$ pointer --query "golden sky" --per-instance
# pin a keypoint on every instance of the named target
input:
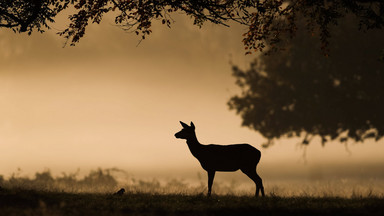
(109, 102)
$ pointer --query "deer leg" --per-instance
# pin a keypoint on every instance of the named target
(252, 174)
(211, 176)
(259, 185)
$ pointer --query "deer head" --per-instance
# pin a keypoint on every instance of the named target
(187, 132)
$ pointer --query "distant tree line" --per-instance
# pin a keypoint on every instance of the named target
(105, 181)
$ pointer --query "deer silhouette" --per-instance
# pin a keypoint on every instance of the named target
(225, 158)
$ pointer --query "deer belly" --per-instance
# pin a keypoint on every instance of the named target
(220, 166)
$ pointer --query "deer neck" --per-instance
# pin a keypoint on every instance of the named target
(194, 146)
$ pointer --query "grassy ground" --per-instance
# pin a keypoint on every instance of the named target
(32, 202)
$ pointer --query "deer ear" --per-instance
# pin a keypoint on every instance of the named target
(192, 125)
(184, 125)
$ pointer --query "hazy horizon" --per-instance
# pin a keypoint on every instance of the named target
(108, 102)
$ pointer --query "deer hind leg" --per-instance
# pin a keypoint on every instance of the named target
(252, 174)
(211, 176)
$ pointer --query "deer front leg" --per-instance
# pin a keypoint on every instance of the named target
(211, 176)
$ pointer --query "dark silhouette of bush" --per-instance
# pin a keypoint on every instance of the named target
(96, 181)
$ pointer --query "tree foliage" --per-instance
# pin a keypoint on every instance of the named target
(298, 91)
(268, 22)
(29, 15)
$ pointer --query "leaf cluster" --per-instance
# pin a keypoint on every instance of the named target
(29, 15)
(138, 15)
(277, 22)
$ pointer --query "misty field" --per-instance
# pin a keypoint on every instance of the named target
(93, 194)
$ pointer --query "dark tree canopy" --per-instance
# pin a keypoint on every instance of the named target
(29, 15)
(298, 91)
(269, 22)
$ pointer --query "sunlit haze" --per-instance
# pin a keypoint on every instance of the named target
(111, 101)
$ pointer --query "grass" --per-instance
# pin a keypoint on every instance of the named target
(91, 195)
(35, 202)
